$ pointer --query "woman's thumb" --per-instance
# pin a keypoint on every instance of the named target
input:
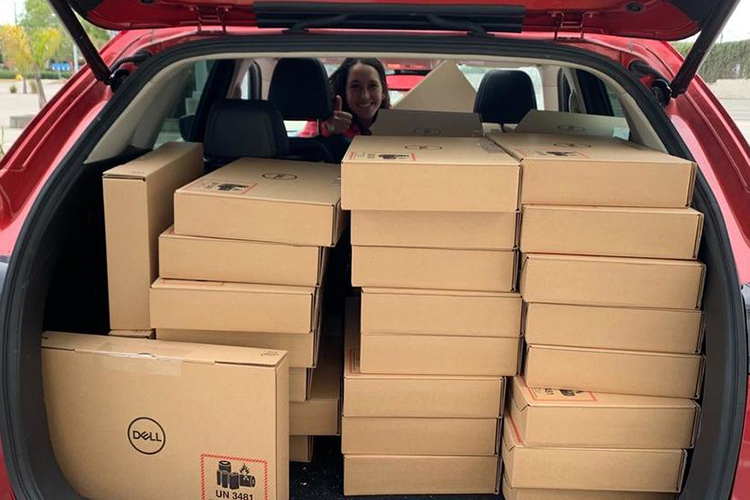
(338, 104)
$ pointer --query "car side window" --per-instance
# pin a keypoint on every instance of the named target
(179, 118)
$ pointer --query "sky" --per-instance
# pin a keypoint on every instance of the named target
(738, 27)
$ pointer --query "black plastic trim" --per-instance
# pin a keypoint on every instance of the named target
(32, 469)
(299, 15)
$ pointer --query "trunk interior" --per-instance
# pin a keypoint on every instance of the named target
(60, 284)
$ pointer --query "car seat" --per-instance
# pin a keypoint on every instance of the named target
(505, 96)
(300, 90)
(241, 128)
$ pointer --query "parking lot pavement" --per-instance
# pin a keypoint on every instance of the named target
(19, 104)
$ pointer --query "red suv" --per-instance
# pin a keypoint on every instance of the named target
(154, 83)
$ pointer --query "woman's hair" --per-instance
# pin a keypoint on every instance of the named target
(338, 80)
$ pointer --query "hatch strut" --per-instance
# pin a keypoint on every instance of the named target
(98, 67)
(708, 35)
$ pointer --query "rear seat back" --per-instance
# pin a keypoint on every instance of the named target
(505, 96)
(239, 128)
(300, 90)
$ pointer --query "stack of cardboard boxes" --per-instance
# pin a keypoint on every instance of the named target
(243, 265)
(612, 322)
(434, 224)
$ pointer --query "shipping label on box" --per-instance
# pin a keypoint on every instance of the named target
(147, 422)
(239, 307)
(388, 395)
(666, 233)
(637, 329)
(264, 200)
(620, 372)
(138, 206)
(582, 419)
(569, 279)
(449, 174)
(600, 469)
(419, 475)
(597, 171)
(456, 230)
(482, 270)
(216, 259)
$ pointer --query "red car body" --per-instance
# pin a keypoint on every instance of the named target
(707, 129)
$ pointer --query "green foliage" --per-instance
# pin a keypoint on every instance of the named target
(728, 60)
(7, 74)
(13, 89)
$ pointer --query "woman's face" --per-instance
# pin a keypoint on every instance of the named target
(364, 93)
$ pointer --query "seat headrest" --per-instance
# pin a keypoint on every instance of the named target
(300, 89)
(505, 96)
(238, 128)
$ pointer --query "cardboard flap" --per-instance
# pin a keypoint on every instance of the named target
(156, 349)
(144, 166)
(618, 260)
(272, 180)
(163, 283)
(511, 436)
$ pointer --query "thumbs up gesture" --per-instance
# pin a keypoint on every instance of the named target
(340, 120)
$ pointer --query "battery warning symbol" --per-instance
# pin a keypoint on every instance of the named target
(234, 480)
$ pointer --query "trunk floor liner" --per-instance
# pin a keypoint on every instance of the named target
(323, 478)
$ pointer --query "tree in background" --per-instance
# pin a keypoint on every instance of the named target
(38, 14)
(30, 52)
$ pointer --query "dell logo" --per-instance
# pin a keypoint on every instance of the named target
(146, 435)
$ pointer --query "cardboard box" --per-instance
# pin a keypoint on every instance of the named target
(300, 449)
(262, 199)
(565, 170)
(430, 94)
(598, 469)
(555, 122)
(619, 372)
(215, 259)
(657, 330)
(459, 230)
(153, 419)
(409, 123)
(299, 383)
(439, 355)
(667, 233)
(482, 270)
(133, 334)
(301, 349)
(570, 279)
(368, 395)
(546, 494)
(319, 414)
(405, 475)
(582, 419)
(137, 208)
(448, 174)
(237, 307)
(419, 436)
(436, 312)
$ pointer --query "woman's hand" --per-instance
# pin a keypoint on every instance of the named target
(340, 121)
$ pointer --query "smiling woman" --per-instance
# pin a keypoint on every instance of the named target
(360, 89)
